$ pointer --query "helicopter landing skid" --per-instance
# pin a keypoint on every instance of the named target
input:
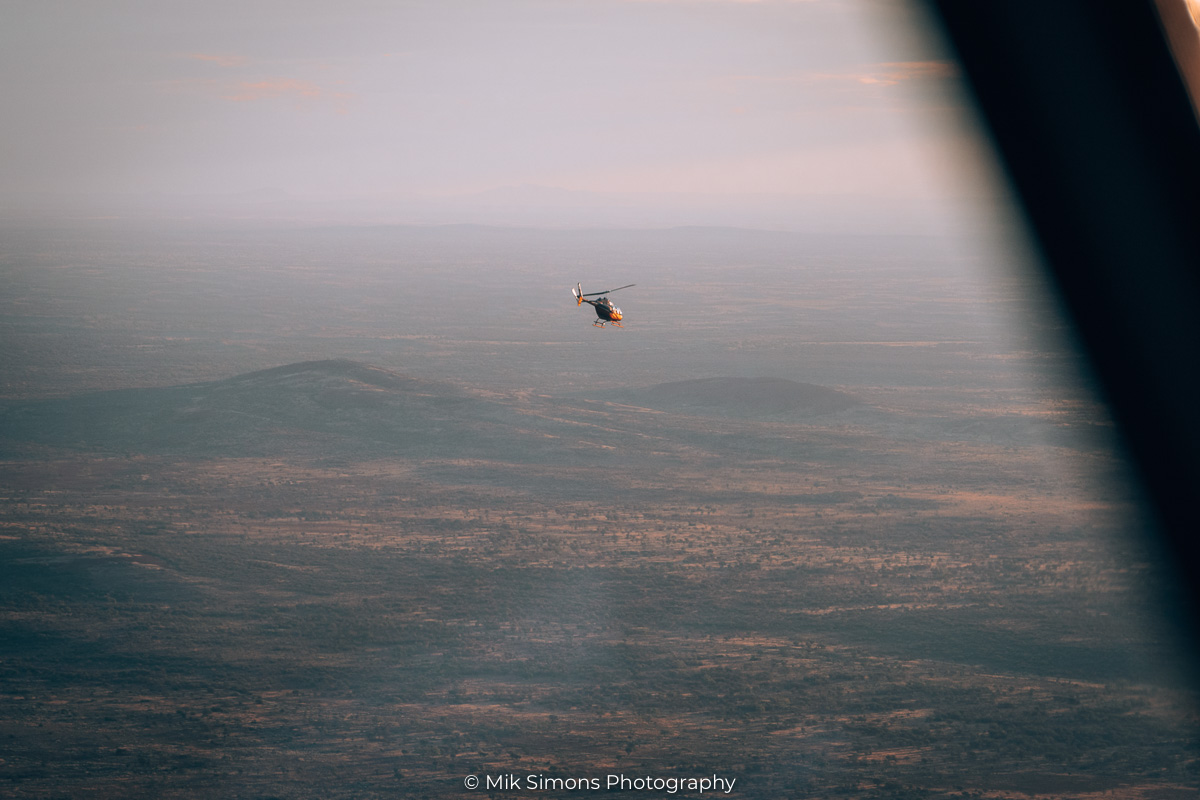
(600, 324)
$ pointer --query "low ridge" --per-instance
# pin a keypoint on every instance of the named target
(334, 369)
(310, 404)
(743, 396)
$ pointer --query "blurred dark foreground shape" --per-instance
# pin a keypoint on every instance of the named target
(1093, 122)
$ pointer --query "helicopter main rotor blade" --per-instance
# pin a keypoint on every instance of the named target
(609, 291)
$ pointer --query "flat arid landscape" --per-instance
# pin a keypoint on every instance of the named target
(364, 512)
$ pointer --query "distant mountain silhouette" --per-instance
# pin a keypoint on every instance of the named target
(315, 404)
(335, 372)
(345, 408)
(751, 397)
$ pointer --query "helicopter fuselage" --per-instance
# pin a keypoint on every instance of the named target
(606, 312)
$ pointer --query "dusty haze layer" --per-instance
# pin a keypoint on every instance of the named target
(352, 512)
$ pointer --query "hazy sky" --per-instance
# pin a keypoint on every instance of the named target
(365, 102)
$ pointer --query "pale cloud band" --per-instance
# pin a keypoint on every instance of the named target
(891, 73)
(220, 59)
(442, 97)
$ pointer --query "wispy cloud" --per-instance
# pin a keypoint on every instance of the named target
(220, 59)
(889, 73)
(730, 2)
(249, 91)
(892, 73)
(302, 93)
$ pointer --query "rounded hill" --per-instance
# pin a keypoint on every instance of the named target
(742, 397)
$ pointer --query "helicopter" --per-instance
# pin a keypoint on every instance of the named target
(605, 311)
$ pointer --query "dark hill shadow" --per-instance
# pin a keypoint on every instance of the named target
(740, 397)
(315, 406)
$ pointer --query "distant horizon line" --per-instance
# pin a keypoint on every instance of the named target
(49, 220)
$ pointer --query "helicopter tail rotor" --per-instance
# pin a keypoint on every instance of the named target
(578, 292)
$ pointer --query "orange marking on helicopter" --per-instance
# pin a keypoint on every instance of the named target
(605, 310)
